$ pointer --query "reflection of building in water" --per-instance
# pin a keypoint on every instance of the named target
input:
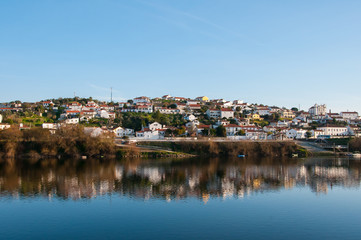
(152, 173)
(319, 187)
(228, 188)
(167, 181)
(118, 172)
(289, 183)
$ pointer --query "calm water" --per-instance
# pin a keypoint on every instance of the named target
(194, 199)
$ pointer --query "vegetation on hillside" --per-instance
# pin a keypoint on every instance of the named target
(68, 141)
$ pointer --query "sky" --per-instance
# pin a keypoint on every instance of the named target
(284, 53)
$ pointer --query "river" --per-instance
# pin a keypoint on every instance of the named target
(314, 198)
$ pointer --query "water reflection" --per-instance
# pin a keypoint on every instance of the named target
(170, 180)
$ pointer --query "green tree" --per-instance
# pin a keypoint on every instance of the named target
(221, 131)
(157, 116)
(241, 133)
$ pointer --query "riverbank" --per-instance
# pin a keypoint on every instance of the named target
(231, 148)
(74, 142)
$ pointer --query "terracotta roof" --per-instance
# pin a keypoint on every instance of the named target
(232, 125)
(203, 126)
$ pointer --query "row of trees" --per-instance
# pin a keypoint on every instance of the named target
(67, 141)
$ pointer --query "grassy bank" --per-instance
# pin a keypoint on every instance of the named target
(137, 153)
(231, 149)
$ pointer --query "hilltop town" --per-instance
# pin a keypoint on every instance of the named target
(166, 117)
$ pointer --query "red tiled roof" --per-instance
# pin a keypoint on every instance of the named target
(203, 126)
(232, 125)
(226, 110)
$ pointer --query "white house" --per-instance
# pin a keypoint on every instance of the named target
(238, 102)
(1, 118)
(72, 112)
(227, 113)
(296, 133)
(72, 121)
(256, 135)
(74, 106)
(202, 127)
(223, 113)
(167, 97)
(283, 123)
(232, 129)
(148, 134)
(189, 124)
(334, 130)
(262, 111)
(213, 113)
(286, 113)
(122, 132)
(91, 105)
(47, 104)
(165, 110)
(105, 114)
(349, 115)
(194, 106)
(334, 116)
(227, 104)
(144, 108)
(49, 125)
(4, 126)
(142, 99)
(155, 126)
(190, 117)
(107, 107)
(316, 133)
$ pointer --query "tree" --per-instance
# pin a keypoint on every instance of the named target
(168, 133)
(205, 132)
(276, 116)
(233, 121)
(308, 134)
(181, 131)
(294, 109)
(241, 133)
(157, 116)
(204, 109)
(221, 131)
(173, 106)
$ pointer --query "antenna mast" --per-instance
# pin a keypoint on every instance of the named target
(111, 94)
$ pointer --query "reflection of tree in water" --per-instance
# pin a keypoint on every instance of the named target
(166, 179)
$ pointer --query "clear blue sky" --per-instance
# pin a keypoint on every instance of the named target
(284, 53)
